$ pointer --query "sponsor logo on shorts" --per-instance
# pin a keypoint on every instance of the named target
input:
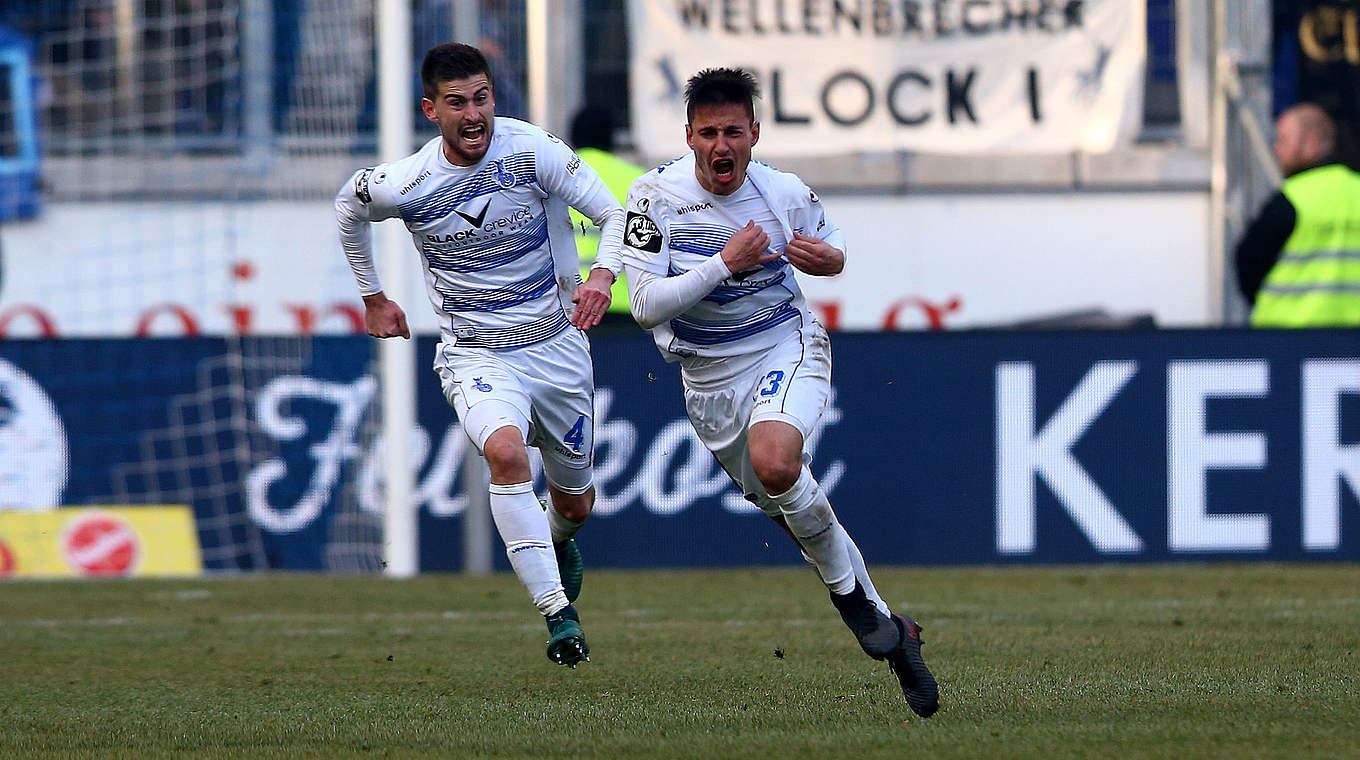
(477, 384)
(641, 232)
(566, 452)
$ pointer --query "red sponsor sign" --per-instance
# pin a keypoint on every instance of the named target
(101, 544)
(6, 559)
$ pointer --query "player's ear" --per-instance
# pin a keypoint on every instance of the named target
(427, 106)
(755, 132)
(689, 136)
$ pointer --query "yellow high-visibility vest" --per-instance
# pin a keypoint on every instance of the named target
(618, 176)
(1316, 281)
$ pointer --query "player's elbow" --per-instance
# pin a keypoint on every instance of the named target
(645, 321)
(641, 314)
(614, 214)
(344, 211)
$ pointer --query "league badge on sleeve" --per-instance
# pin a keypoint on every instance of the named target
(361, 185)
(641, 232)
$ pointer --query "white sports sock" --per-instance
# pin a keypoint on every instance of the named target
(562, 528)
(809, 517)
(862, 572)
(528, 544)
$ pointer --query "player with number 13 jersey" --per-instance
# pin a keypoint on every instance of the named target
(711, 244)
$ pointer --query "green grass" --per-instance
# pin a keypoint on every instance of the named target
(1240, 661)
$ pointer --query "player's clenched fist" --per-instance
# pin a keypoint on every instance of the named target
(814, 255)
(747, 248)
(384, 318)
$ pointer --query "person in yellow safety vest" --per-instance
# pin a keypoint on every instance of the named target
(1299, 261)
(592, 135)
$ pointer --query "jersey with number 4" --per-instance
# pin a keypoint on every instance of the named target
(673, 225)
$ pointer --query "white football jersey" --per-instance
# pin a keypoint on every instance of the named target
(495, 238)
(673, 225)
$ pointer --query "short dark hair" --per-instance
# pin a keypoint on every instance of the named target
(721, 86)
(450, 61)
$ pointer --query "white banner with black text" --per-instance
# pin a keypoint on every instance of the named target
(944, 76)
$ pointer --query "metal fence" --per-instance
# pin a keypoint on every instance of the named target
(285, 89)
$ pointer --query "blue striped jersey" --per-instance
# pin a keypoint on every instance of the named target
(494, 239)
(674, 225)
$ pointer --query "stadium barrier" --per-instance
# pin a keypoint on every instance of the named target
(938, 448)
(100, 542)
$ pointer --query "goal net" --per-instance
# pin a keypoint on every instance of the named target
(169, 255)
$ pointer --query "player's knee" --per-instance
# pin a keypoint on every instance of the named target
(777, 471)
(574, 507)
(506, 456)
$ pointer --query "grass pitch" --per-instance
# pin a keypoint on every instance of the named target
(1241, 661)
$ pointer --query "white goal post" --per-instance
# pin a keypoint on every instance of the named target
(400, 538)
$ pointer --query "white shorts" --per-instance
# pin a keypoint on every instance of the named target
(546, 390)
(790, 382)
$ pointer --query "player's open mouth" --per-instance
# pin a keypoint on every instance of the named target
(724, 168)
(473, 134)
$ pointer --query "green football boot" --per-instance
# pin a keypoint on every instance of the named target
(569, 564)
(570, 567)
(566, 641)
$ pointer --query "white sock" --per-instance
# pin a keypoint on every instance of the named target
(862, 572)
(528, 544)
(562, 528)
(809, 517)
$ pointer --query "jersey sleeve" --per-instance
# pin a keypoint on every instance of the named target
(562, 173)
(820, 225)
(357, 205)
(653, 296)
(645, 243)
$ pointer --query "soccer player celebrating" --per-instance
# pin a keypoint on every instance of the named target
(486, 204)
(711, 243)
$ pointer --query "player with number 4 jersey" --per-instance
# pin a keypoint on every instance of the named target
(486, 205)
(712, 241)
